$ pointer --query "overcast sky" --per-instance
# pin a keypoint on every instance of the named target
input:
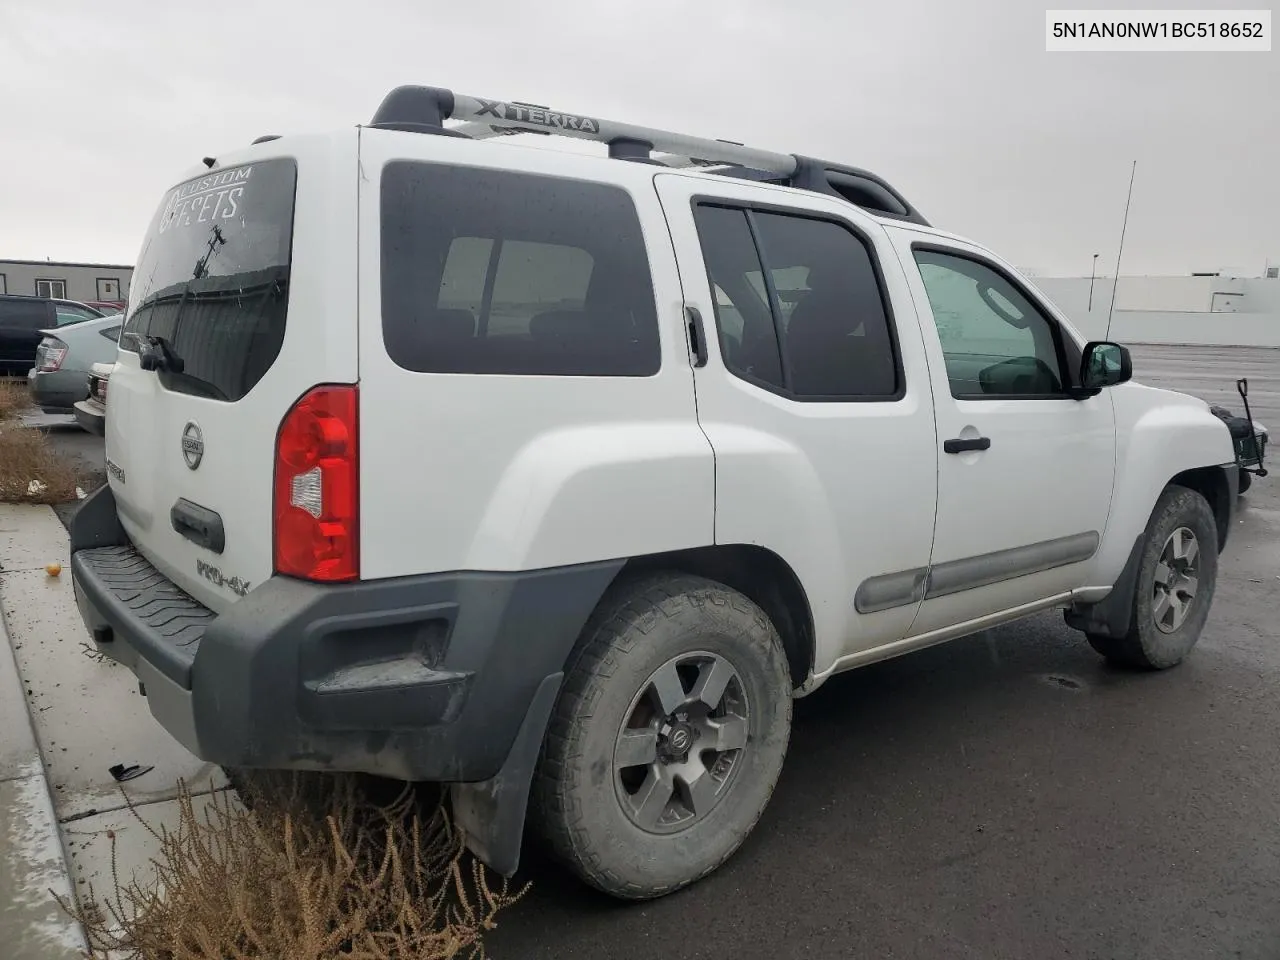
(104, 105)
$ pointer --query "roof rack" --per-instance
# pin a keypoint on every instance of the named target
(420, 109)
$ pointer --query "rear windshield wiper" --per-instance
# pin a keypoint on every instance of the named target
(157, 353)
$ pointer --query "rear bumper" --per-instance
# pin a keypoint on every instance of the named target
(418, 678)
(58, 391)
(92, 416)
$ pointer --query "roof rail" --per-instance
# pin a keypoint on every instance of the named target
(421, 109)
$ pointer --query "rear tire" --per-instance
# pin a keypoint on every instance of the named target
(1246, 480)
(1177, 575)
(643, 787)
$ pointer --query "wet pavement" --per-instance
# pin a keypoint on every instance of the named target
(1004, 796)
(1008, 795)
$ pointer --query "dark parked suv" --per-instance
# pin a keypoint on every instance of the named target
(22, 319)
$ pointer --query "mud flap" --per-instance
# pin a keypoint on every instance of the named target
(1111, 616)
(491, 813)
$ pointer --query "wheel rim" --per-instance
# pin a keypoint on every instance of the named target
(1176, 580)
(682, 741)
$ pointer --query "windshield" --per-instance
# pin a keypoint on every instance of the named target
(212, 282)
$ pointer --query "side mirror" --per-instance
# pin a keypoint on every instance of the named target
(1105, 364)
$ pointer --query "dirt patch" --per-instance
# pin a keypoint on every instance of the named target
(321, 868)
(31, 471)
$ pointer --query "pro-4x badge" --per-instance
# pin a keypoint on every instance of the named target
(192, 444)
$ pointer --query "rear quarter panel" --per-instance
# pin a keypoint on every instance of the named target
(498, 472)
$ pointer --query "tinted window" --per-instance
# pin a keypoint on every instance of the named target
(817, 290)
(994, 340)
(836, 330)
(67, 314)
(213, 277)
(24, 313)
(503, 273)
(748, 338)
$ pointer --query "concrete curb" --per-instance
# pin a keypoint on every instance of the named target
(33, 860)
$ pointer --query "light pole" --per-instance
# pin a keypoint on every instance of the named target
(1093, 272)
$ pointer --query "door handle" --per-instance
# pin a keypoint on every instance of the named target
(972, 443)
(198, 524)
(697, 336)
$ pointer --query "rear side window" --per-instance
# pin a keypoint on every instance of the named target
(799, 305)
(493, 272)
(748, 336)
(25, 314)
(212, 282)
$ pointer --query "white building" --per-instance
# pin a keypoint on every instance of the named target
(1205, 308)
(66, 281)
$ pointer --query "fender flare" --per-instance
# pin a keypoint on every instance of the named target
(1112, 616)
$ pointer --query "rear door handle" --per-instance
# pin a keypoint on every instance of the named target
(972, 443)
(697, 336)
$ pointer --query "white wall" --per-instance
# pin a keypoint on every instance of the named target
(1247, 310)
(1204, 329)
(1262, 295)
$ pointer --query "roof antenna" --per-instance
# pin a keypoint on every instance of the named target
(1124, 226)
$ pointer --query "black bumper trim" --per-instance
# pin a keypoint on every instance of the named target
(420, 678)
(119, 591)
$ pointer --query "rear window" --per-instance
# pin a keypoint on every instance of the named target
(212, 281)
(493, 272)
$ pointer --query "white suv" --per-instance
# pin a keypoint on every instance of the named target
(556, 477)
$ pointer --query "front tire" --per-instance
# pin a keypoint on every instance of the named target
(667, 738)
(1246, 480)
(1177, 575)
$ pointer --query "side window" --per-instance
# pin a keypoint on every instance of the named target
(111, 333)
(996, 343)
(748, 337)
(807, 285)
(26, 313)
(837, 341)
(493, 272)
(68, 315)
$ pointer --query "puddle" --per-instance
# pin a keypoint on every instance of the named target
(1062, 681)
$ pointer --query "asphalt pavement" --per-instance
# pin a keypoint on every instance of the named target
(1004, 796)
(1008, 795)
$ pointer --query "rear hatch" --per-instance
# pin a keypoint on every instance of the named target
(242, 300)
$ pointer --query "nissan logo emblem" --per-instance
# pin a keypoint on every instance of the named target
(192, 444)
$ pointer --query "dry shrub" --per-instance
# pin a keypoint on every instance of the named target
(25, 455)
(366, 881)
(14, 398)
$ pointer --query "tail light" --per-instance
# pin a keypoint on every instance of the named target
(50, 354)
(316, 502)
